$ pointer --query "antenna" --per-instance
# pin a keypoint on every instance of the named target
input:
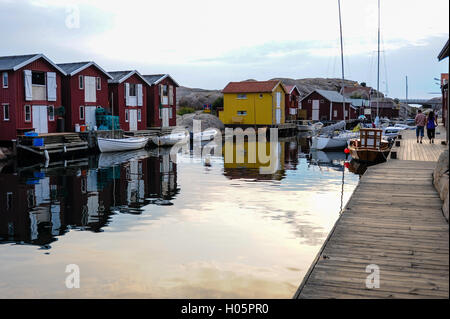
(378, 63)
(342, 60)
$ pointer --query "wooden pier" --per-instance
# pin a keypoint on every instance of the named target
(393, 220)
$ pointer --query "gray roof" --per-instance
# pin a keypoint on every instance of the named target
(332, 96)
(15, 62)
(156, 78)
(120, 76)
(359, 102)
(75, 67)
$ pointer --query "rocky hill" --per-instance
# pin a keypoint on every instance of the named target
(195, 97)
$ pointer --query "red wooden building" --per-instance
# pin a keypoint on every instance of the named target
(30, 94)
(292, 100)
(322, 105)
(386, 108)
(85, 87)
(162, 100)
(128, 98)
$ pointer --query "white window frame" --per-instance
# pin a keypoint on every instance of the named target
(51, 113)
(242, 113)
(6, 105)
(27, 106)
(81, 112)
(5, 85)
(241, 96)
(335, 113)
(81, 82)
(127, 116)
(98, 83)
(139, 115)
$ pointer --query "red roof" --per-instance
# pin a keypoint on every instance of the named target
(290, 88)
(250, 86)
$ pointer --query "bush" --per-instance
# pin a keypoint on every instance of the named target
(185, 110)
(218, 103)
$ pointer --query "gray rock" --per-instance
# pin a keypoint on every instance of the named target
(207, 121)
(440, 181)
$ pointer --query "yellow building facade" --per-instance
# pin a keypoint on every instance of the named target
(253, 103)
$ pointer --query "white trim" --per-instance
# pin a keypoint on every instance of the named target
(128, 75)
(139, 115)
(99, 83)
(3, 80)
(127, 116)
(81, 82)
(34, 58)
(52, 117)
(81, 112)
(163, 77)
(85, 66)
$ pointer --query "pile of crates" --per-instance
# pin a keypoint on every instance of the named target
(105, 120)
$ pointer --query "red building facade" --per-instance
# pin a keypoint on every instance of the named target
(321, 105)
(292, 99)
(85, 88)
(162, 100)
(30, 95)
(128, 99)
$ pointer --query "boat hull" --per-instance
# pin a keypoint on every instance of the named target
(323, 143)
(122, 144)
(368, 155)
(169, 140)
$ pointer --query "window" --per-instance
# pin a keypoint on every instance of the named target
(132, 89)
(261, 95)
(165, 90)
(335, 113)
(126, 115)
(27, 113)
(51, 113)
(80, 82)
(321, 101)
(81, 112)
(139, 115)
(309, 101)
(38, 78)
(160, 114)
(242, 96)
(5, 80)
(5, 112)
(9, 201)
(98, 83)
(241, 112)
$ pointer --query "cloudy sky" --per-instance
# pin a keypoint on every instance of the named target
(207, 43)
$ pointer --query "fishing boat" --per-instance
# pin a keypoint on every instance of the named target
(369, 147)
(170, 139)
(121, 144)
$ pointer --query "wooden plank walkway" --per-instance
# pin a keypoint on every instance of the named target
(411, 150)
(393, 220)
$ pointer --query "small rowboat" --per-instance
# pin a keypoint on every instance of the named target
(121, 144)
(171, 139)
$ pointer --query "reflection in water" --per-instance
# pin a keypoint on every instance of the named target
(139, 225)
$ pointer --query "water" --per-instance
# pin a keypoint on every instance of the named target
(141, 226)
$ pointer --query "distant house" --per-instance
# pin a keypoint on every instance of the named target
(323, 105)
(85, 87)
(30, 95)
(161, 100)
(292, 99)
(253, 103)
(358, 91)
(128, 98)
(386, 108)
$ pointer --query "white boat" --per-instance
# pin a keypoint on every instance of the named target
(392, 131)
(121, 144)
(206, 135)
(340, 141)
(110, 159)
(170, 139)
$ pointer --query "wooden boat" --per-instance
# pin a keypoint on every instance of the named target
(121, 144)
(327, 142)
(171, 139)
(370, 147)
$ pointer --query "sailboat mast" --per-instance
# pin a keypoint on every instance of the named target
(112, 114)
(342, 60)
(378, 62)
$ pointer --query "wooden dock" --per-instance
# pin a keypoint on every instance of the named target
(393, 220)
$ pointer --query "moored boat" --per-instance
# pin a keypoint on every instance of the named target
(170, 139)
(324, 142)
(370, 147)
(121, 144)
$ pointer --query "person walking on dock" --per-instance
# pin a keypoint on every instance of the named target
(431, 126)
(420, 120)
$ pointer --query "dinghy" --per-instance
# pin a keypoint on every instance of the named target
(121, 144)
(171, 139)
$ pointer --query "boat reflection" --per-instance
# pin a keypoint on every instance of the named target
(39, 204)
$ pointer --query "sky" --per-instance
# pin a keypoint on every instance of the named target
(207, 43)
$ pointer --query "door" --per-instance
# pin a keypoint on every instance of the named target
(40, 118)
(278, 116)
(89, 116)
(165, 117)
(315, 110)
(133, 120)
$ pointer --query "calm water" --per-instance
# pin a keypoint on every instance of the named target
(141, 226)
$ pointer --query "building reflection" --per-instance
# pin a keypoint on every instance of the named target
(39, 204)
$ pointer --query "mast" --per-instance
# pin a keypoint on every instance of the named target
(342, 60)
(378, 61)
(112, 114)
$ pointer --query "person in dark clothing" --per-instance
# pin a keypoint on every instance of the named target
(431, 126)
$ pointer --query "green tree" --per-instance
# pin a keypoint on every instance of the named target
(218, 103)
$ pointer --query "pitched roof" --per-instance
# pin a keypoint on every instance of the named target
(252, 86)
(332, 96)
(290, 88)
(156, 78)
(15, 62)
(359, 102)
(75, 67)
(120, 76)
